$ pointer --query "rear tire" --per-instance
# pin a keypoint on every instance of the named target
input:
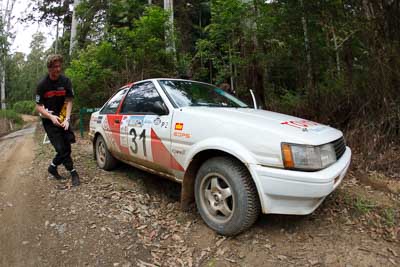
(104, 159)
(226, 196)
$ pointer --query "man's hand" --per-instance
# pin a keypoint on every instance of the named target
(65, 124)
(55, 120)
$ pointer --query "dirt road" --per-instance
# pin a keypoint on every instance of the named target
(130, 218)
(18, 215)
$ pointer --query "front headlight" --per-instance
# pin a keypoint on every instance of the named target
(305, 157)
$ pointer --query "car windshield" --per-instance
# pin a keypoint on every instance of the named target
(189, 93)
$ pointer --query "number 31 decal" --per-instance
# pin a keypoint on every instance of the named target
(134, 146)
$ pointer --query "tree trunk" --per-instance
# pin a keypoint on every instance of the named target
(307, 49)
(311, 89)
(57, 31)
(258, 83)
(8, 15)
(56, 44)
(336, 51)
(348, 60)
(211, 71)
(6, 21)
(231, 69)
(367, 9)
(169, 33)
(257, 71)
(74, 25)
(3, 86)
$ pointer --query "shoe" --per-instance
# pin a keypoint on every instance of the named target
(75, 178)
(53, 171)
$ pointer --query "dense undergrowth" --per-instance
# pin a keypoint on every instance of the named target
(11, 115)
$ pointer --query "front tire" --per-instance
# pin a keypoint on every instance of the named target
(226, 196)
(104, 159)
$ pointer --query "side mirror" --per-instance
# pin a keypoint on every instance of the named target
(159, 108)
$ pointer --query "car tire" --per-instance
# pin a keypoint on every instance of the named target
(104, 159)
(226, 196)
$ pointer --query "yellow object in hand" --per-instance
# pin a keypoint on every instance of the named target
(63, 113)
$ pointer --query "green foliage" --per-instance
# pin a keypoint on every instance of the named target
(90, 75)
(122, 12)
(228, 19)
(291, 100)
(11, 115)
(221, 46)
(16, 84)
(24, 74)
(24, 107)
(149, 41)
(4, 45)
(389, 215)
(183, 65)
(127, 54)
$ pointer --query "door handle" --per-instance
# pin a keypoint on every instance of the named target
(117, 121)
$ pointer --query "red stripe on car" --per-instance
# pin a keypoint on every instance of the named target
(161, 154)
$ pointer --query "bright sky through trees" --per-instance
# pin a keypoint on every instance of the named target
(23, 31)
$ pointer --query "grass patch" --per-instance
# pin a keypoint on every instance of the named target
(11, 115)
(347, 199)
(356, 204)
(212, 262)
(363, 206)
(389, 215)
(25, 107)
(374, 175)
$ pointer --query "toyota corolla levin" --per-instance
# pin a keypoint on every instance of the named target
(233, 160)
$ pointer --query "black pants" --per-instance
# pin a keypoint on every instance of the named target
(61, 141)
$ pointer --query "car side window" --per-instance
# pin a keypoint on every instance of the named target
(143, 98)
(112, 105)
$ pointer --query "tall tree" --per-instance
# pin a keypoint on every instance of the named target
(24, 74)
(5, 28)
(36, 59)
(74, 25)
(255, 78)
(304, 23)
(54, 12)
(16, 86)
(169, 34)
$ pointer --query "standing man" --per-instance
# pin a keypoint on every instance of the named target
(53, 93)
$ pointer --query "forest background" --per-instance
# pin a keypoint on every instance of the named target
(332, 61)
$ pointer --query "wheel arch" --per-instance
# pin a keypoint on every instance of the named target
(187, 191)
(96, 135)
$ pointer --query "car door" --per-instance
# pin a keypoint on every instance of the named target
(111, 121)
(145, 128)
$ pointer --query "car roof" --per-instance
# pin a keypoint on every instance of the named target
(159, 79)
(171, 79)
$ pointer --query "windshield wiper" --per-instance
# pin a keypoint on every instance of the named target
(208, 105)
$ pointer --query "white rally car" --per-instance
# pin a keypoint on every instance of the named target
(235, 161)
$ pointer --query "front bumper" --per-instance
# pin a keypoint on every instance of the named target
(296, 192)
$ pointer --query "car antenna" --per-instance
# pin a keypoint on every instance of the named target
(254, 99)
